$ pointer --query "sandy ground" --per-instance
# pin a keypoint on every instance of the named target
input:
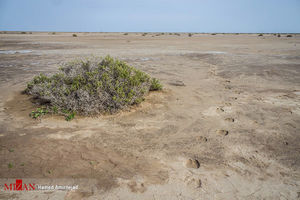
(232, 102)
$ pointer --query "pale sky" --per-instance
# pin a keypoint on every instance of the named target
(151, 15)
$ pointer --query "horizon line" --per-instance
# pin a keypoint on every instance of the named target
(150, 32)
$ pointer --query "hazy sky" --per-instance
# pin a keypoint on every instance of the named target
(151, 15)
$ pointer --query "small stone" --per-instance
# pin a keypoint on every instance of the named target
(192, 163)
(222, 132)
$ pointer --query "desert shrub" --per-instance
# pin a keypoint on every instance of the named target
(144, 34)
(90, 86)
(155, 85)
(190, 35)
(213, 34)
(10, 165)
(38, 112)
(125, 33)
(53, 33)
(23, 32)
(70, 115)
(74, 35)
(289, 36)
(158, 34)
(260, 35)
(177, 34)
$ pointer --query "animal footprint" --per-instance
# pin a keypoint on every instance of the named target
(201, 139)
(222, 132)
(229, 119)
(220, 109)
(228, 104)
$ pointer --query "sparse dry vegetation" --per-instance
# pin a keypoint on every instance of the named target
(74, 35)
(90, 86)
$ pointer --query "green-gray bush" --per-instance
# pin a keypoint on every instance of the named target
(91, 86)
(155, 85)
(38, 113)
